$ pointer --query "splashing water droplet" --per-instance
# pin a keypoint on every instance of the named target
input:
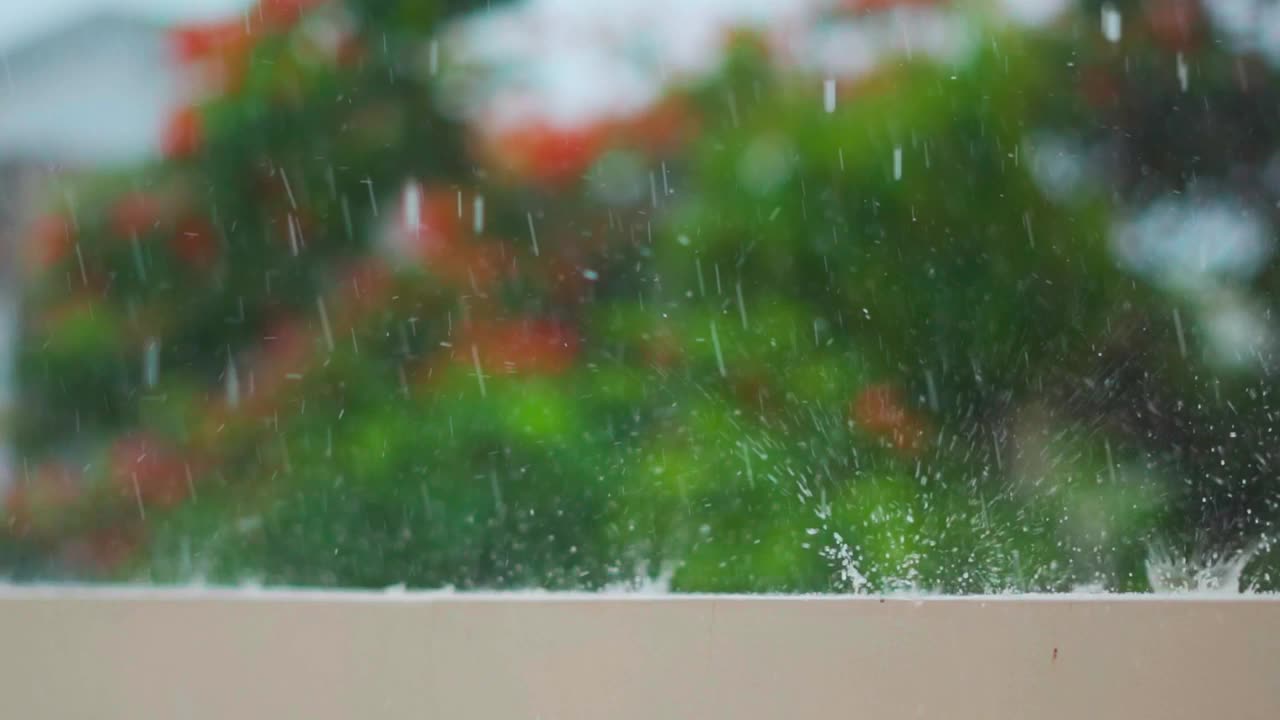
(1202, 571)
(1111, 23)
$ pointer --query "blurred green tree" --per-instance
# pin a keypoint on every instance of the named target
(341, 336)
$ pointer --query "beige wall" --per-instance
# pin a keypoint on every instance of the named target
(125, 654)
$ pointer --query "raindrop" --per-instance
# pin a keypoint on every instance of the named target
(475, 360)
(373, 200)
(715, 343)
(742, 305)
(533, 234)
(1111, 23)
(412, 208)
(324, 324)
(1182, 339)
(137, 496)
(151, 363)
(231, 384)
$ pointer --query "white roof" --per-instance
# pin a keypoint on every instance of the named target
(23, 22)
(60, 64)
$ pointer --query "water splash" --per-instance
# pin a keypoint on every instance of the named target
(643, 583)
(1201, 571)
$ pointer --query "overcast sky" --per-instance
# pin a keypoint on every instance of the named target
(22, 20)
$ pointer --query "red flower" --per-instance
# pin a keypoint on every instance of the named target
(350, 51)
(563, 274)
(363, 287)
(286, 347)
(149, 471)
(34, 506)
(754, 390)
(285, 350)
(541, 153)
(873, 6)
(431, 220)
(135, 214)
(280, 14)
(436, 229)
(548, 155)
(663, 349)
(183, 136)
(1175, 24)
(221, 50)
(50, 240)
(217, 52)
(102, 551)
(192, 43)
(195, 242)
(661, 127)
(532, 347)
(879, 410)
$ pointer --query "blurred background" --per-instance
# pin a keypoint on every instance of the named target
(819, 296)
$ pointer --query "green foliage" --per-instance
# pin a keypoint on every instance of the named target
(858, 350)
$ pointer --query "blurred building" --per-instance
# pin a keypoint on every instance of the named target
(91, 92)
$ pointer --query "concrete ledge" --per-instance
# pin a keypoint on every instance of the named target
(78, 653)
